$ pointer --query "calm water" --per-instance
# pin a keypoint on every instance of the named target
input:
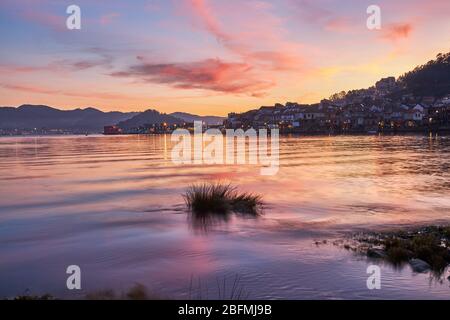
(113, 206)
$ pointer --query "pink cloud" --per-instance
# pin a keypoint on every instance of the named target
(55, 22)
(29, 88)
(396, 31)
(313, 13)
(339, 25)
(209, 74)
(17, 69)
(108, 18)
(309, 11)
(48, 91)
(97, 58)
(256, 38)
(205, 13)
(254, 41)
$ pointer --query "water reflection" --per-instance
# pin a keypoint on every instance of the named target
(114, 205)
(203, 222)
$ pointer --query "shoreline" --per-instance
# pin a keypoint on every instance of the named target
(281, 134)
(425, 248)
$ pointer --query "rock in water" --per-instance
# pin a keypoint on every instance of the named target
(419, 265)
(376, 253)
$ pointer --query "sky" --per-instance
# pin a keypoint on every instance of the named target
(208, 56)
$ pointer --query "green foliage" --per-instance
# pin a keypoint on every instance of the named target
(430, 244)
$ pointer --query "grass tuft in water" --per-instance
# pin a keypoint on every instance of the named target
(217, 198)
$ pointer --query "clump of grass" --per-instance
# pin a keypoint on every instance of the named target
(217, 198)
(106, 294)
(27, 295)
(137, 292)
(398, 255)
(446, 232)
(35, 297)
(225, 289)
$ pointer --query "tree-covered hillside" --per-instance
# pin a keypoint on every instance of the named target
(430, 79)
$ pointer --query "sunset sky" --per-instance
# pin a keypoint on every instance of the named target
(208, 56)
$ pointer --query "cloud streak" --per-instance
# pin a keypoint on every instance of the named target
(259, 27)
(396, 31)
(108, 18)
(50, 91)
(61, 66)
(209, 74)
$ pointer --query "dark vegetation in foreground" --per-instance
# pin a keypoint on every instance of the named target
(137, 292)
(423, 248)
(226, 288)
(33, 297)
(221, 199)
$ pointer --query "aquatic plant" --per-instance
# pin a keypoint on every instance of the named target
(217, 198)
(428, 244)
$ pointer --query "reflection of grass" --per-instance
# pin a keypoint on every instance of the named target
(224, 289)
(216, 198)
(31, 297)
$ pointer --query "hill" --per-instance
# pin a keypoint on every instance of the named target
(40, 116)
(430, 79)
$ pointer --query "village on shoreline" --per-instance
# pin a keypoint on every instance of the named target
(364, 111)
(374, 110)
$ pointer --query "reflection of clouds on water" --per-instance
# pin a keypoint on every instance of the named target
(204, 222)
(377, 208)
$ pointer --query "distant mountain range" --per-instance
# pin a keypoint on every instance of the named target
(38, 116)
(89, 119)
